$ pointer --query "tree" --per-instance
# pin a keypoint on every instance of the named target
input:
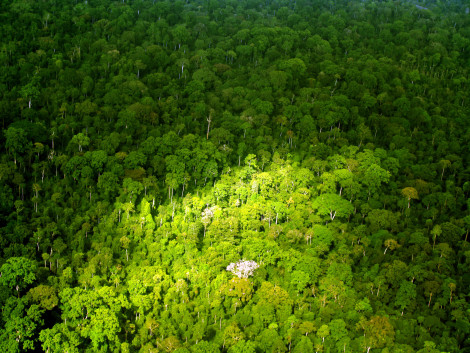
(232, 335)
(204, 347)
(175, 175)
(132, 188)
(21, 324)
(36, 189)
(98, 160)
(429, 347)
(108, 183)
(431, 288)
(383, 219)
(390, 244)
(333, 205)
(45, 296)
(374, 176)
(378, 332)
(338, 332)
(299, 280)
(436, 232)
(16, 142)
(180, 35)
(18, 273)
(444, 163)
(323, 332)
(102, 328)
(30, 91)
(97, 310)
(243, 269)
(206, 217)
(243, 347)
(134, 160)
(80, 140)
(304, 345)
(406, 295)
(125, 241)
(410, 193)
(60, 338)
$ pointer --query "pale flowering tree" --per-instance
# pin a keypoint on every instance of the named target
(243, 268)
(207, 215)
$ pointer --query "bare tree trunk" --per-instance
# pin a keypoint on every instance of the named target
(209, 120)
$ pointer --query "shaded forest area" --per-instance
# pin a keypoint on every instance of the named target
(234, 176)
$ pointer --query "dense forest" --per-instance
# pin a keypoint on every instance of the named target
(242, 176)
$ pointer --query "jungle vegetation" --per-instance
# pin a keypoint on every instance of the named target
(234, 176)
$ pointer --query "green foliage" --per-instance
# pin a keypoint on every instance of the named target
(18, 273)
(16, 141)
(21, 324)
(59, 338)
(148, 145)
(45, 296)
